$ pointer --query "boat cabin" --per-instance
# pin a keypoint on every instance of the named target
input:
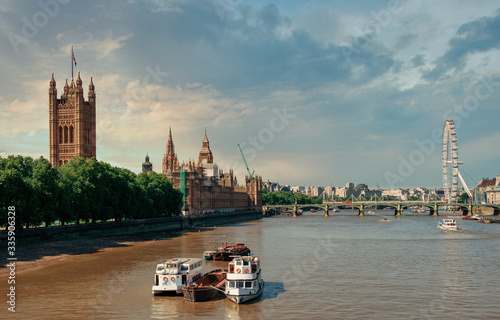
(173, 274)
(244, 265)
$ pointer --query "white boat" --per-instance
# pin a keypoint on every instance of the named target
(336, 210)
(173, 274)
(447, 224)
(371, 212)
(244, 282)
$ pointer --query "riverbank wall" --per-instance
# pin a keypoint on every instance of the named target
(112, 228)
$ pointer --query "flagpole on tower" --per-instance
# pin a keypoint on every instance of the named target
(72, 57)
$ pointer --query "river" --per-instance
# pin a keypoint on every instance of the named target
(342, 267)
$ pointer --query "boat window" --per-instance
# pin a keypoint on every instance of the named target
(171, 265)
(238, 263)
(240, 284)
(230, 284)
(160, 268)
(254, 268)
(231, 268)
(184, 268)
(248, 284)
(245, 263)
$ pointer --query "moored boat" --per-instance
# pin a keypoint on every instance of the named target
(336, 210)
(207, 287)
(226, 253)
(209, 255)
(244, 281)
(173, 274)
(447, 224)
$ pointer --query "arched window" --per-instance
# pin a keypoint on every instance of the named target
(71, 134)
(60, 163)
(65, 161)
(65, 134)
(60, 134)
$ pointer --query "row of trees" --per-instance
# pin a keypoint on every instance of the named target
(288, 197)
(81, 190)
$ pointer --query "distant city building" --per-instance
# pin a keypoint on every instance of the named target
(362, 186)
(72, 122)
(146, 165)
(400, 194)
(297, 189)
(329, 191)
(490, 188)
(314, 191)
(271, 186)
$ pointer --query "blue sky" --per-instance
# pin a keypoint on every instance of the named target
(315, 92)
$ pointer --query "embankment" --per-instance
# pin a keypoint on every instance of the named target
(111, 228)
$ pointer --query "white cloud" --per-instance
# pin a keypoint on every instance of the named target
(100, 47)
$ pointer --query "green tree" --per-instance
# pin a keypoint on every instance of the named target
(464, 197)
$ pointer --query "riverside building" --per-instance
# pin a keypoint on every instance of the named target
(206, 187)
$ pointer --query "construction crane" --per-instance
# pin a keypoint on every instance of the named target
(246, 165)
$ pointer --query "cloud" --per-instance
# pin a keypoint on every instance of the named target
(477, 36)
(100, 48)
(418, 60)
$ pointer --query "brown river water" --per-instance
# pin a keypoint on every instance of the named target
(342, 267)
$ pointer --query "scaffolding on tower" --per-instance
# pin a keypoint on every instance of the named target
(182, 182)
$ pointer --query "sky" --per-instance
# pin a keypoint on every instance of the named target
(317, 93)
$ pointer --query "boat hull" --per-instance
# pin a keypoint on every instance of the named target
(207, 287)
(247, 297)
(228, 256)
(200, 294)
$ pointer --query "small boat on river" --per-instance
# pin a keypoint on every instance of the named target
(447, 224)
(209, 255)
(226, 252)
(472, 217)
(244, 282)
(371, 212)
(173, 274)
(207, 287)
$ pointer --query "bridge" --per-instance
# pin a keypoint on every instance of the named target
(398, 206)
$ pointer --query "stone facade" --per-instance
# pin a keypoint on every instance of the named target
(490, 188)
(72, 122)
(207, 187)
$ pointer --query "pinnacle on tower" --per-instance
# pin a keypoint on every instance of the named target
(52, 81)
(91, 85)
(205, 139)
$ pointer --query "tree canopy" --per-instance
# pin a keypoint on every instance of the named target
(288, 197)
(81, 190)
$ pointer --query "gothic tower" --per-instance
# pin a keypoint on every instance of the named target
(170, 161)
(146, 165)
(72, 122)
(205, 153)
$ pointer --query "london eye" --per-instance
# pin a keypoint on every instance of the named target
(450, 162)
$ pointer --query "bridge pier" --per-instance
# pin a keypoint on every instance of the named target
(434, 211)
(361, 210)
(496, 211)
(327, 215)
(295, 210)
(264, 211)
(397, 211)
